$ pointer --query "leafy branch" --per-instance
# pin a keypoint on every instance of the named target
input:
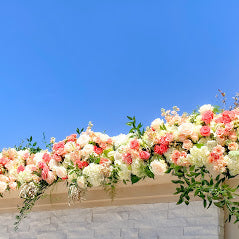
(137, 130)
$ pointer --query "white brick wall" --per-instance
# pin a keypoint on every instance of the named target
(145, 221)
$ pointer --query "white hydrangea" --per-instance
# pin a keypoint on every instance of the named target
(233, 162)
(24, 176)
(124, 172)
(138, 167)
(81, 182)
(120, 139)
(205, 108)
(198, 156)
(94, 175)
(158, 167)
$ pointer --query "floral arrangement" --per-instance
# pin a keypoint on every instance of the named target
(201, 149)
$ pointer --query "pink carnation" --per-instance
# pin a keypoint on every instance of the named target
(98, 150)
(205, 131)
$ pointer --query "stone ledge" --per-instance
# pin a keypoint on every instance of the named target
(145, 191)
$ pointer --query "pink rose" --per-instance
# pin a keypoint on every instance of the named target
(233, 146)
(105, 161)
(187, 144)
(175, 156)
(46, 157)
(98, 150)
(144, 155)
(71, 138)
(134, 144)
(44, 173)
(127, 158)
(160, 149)
(58, 148)
(207, 116)
(57, 157)
(233, 136)
(205, 130)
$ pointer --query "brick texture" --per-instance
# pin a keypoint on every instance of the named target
(145, 221)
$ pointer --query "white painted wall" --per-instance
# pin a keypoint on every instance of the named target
(144, 221)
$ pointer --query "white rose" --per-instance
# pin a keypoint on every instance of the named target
(69, 147)
(38, 157)
(83, 140)
(120, 140)
(52, 164)
(157, 123)
(61, 172)
(205, 108)
(158, 167)
(87, 150)
(51, 177)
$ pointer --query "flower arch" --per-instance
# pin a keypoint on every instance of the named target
(200, 149)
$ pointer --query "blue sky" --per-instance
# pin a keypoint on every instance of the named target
(65, 63)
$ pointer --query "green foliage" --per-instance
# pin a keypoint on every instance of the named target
(79, 131)
(137, 130)
(29, 202)
(134, 178)
(33, 146)
(148, 172)
(198, 182)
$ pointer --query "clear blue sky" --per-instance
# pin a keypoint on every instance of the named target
(64, 63)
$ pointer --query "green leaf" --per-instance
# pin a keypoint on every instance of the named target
(149, 172)
(199, 145)
(134, 178)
